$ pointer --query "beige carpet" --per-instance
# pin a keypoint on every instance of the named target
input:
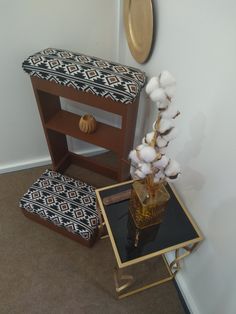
(44, 272)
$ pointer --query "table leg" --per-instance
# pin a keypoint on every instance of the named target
(118, 277)
(102, 226)
(175, 264)
(129, 280)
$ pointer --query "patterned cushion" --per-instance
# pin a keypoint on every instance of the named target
(100, 77)
(68, 203)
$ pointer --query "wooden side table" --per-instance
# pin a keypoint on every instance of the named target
(177, 233)
(98, 83)
(58, 123)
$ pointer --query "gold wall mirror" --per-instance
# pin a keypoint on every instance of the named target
(138, 22)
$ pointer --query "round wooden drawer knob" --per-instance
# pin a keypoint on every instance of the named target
(87, 123)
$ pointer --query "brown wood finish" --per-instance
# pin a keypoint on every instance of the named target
(116, 198)
(58, 123)
(128, 132)
(60, 230)
(68, 123)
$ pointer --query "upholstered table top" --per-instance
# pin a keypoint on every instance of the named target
(85, 73)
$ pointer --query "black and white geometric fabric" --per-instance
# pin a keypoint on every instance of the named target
(68, 203)
(85, 73)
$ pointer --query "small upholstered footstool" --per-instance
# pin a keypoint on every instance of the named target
(63, 204)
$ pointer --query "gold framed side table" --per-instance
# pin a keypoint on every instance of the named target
(177, 233)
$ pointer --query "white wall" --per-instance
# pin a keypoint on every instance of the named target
(26, 27)
(196, 42)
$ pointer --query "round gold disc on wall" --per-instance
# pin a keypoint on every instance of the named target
(138, 21)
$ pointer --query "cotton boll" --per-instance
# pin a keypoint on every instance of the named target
(132, 170)
(162, 163)
(163, 150)
(164, 104)
(158, 177)
(170, 91)
(141, 146)
(165, 125)
(139, 174)
(172, 169)
(161, 142)
(149, 137)
(170, 113)
(166, 79)
(152, 85)
(147, 154)
(145, 168)
(158, 95)
(171, 135)
(134, 157)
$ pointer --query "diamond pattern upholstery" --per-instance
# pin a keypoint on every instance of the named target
(85, 73)
(69, 204)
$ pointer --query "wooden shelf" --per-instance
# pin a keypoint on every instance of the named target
(68, 123)
(58, 123)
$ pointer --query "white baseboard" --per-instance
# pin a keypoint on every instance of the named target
(43, 161)
(183, 287)
(92, 151)
(31, 163)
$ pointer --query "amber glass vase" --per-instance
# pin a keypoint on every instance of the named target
(148, 203)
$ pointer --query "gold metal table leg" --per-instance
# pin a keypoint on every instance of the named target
(129, 280)
(118, 277)
(102, 225)
(175, 264)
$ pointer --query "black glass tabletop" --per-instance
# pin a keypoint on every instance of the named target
(176, 227)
